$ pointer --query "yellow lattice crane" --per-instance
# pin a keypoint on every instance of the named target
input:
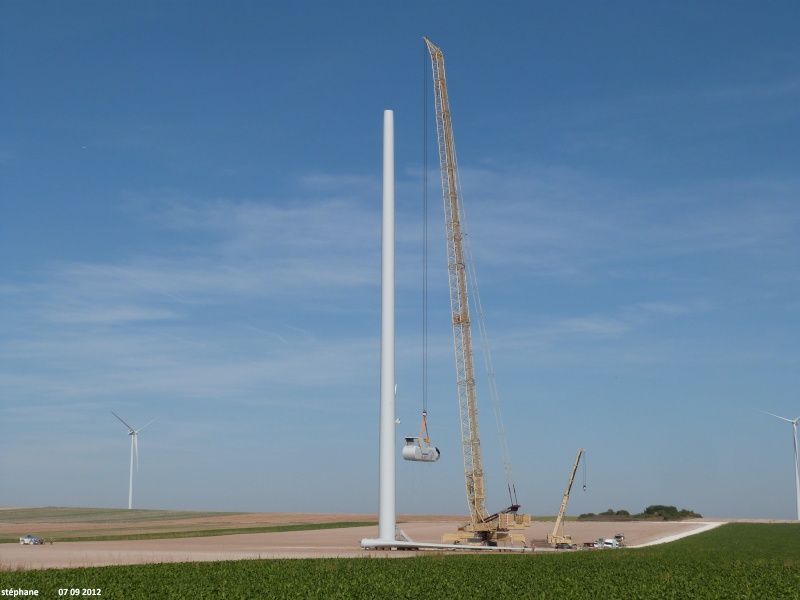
(555, 537)
(483, 528)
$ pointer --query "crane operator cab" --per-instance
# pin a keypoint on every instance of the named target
(418, 448)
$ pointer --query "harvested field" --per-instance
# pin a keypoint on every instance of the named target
(73, 524)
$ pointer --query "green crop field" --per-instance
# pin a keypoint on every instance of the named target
(759, 561)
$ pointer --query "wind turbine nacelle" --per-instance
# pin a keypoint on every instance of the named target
(414, 450)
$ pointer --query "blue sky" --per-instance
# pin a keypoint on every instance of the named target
(190, 230)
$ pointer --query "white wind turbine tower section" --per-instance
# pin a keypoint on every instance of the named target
(134, 450)
(796, 463)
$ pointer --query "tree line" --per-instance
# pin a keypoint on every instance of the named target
(656, 511)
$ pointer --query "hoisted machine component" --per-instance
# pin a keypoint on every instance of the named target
(419, 448)
(483, 528)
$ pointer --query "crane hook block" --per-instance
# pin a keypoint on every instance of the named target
(416, 450)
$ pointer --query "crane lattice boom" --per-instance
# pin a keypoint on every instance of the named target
(459, 303)
(555, 538)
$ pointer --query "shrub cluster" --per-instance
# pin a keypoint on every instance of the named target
(670, 513)
(656, 511)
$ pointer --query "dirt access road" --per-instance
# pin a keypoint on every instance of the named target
(301, 544)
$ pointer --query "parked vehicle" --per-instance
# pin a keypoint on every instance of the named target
(31, 540)
(610, 544)
(565, 546)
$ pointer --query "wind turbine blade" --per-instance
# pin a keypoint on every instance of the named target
(123, 422)
(776, 416)
(145, 425)
(136, 446)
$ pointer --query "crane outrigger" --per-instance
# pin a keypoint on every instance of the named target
(483, 528)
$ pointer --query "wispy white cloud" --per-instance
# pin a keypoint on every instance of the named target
(220, 363)
(110, 314)
(240, 313)
(241, 308)
(587, 326)
(742, 100)
(564, 224)
(248, 251)
(673, 308)
(756, 91)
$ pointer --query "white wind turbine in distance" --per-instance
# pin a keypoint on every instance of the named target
(796, 464)
(134, 450)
